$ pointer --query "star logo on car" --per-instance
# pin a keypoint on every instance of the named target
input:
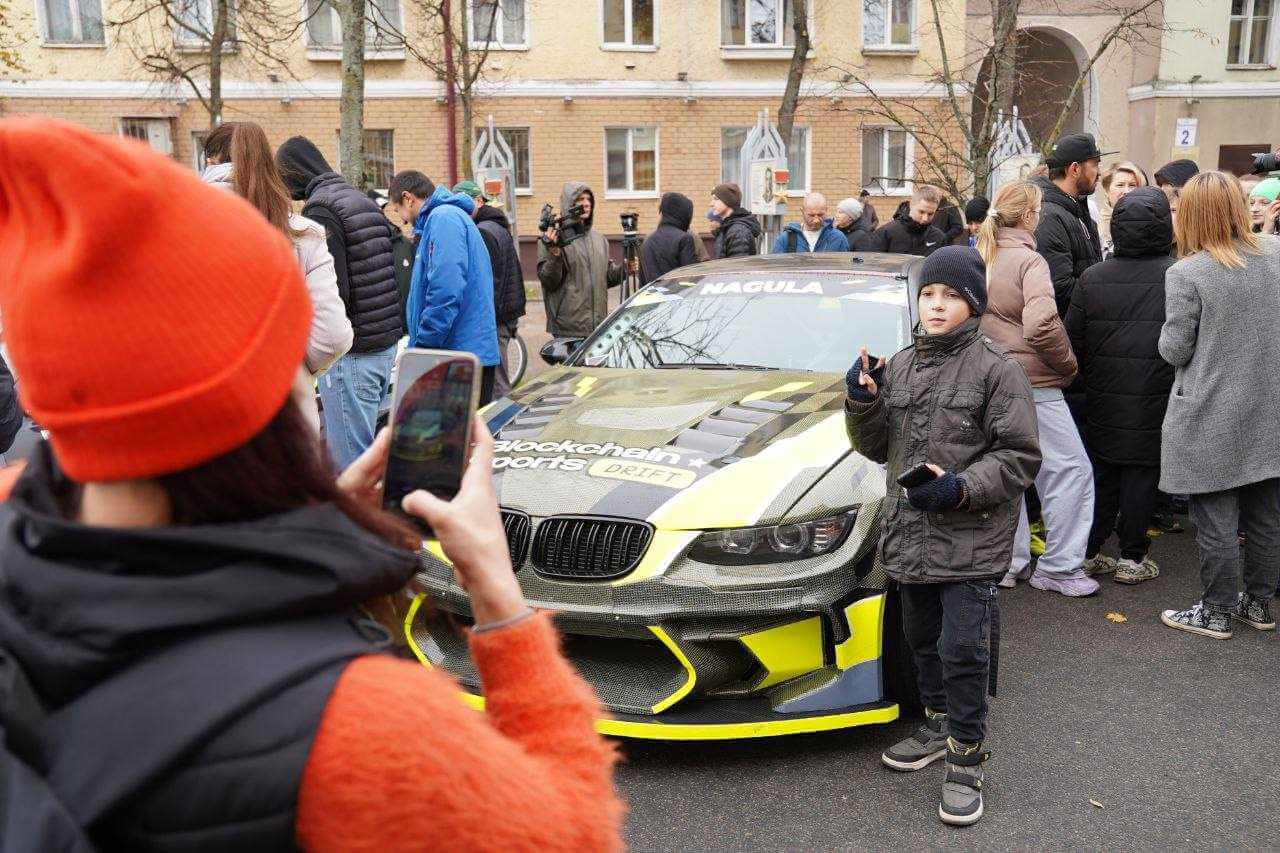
(697, 463)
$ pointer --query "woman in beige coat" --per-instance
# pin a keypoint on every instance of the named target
(1022, 316)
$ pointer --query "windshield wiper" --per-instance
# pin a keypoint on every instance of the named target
(713, 365)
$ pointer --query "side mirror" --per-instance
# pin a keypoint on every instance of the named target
(558, 350)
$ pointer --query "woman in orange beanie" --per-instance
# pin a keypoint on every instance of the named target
(182, 583)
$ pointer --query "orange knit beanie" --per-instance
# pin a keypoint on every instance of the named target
(153, 322)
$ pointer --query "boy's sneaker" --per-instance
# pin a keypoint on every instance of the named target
(1130, 571)
(1011, 578)
(1072, 586)
(962, 791)
(1099, 565)
(1253, 611)
(1199, 620)
(925, 746)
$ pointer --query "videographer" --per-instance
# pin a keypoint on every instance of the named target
(574, 267)
(670, 246)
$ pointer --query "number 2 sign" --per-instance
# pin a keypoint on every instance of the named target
(1184, 134)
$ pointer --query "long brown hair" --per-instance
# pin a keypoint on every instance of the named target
(1213, 217)
(1011, 204)
(254, 174)
(283, 467)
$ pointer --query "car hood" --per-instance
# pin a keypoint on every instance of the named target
(685, 449)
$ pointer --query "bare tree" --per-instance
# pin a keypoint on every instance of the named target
(353, 15)
(186, 42)
(795, 71)
(956, 135)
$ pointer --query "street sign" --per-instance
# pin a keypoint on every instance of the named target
(1184, 132)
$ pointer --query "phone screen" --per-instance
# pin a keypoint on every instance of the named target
(435, 397)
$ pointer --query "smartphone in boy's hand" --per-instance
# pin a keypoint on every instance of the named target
(917, 476)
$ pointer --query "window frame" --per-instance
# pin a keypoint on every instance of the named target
(167, 121)
(776, 50)
(628, 12)
(185, 42)
(317, 51)
(631, 192)
(46, 40)
(887, 46)
(476, 44)
(808, 157)
(908, 166)
(1270, 49)
(521, 191)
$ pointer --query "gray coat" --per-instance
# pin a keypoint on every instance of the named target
(959, 401)
(575, 284)
(1222, 336)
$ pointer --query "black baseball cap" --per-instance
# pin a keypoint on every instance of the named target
(1075, 148)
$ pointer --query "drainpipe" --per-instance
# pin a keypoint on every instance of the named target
(450, 93)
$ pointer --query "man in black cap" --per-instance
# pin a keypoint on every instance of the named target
(1067, 237)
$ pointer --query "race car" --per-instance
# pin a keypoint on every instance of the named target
(682, 493)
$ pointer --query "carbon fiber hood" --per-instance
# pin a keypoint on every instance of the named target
(684, 449)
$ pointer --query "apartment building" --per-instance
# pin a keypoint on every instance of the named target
(1213, 93)
(636, 97)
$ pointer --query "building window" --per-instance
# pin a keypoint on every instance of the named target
(1249, 39)
(885, 160)
(379, 158)
(382, 26)
(733, 138)
(628, 23)
(756, 23)
(517, 138)
(72, 21)
(888, 23)
(631, 160)
(197, 150)
(156, 132)
(193, 23)
(498, 23)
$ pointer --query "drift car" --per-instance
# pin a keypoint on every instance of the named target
(683, 494)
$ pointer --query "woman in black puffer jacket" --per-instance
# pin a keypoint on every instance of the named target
(1114, 322)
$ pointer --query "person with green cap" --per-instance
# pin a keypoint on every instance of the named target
(508, 276)
(1264, 208)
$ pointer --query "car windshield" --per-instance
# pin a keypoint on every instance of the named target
(809, 321)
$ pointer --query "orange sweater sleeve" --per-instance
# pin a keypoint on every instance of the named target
(400, 763)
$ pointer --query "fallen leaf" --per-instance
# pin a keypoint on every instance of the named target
(1117, 617)
(1095, 804)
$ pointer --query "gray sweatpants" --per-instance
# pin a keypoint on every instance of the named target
(1219, 517)
(1065, 485)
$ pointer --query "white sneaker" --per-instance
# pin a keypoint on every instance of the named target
(1131, 572)
(1099, 565)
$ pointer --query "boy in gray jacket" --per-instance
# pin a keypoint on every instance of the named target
(958, 404)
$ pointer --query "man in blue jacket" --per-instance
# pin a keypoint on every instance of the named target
(813, 233)
(451, 294)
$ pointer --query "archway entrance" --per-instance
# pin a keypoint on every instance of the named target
(1048, 63)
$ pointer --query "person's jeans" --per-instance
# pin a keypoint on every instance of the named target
(948, 629)
(1132, 492)
(1065, 486)
(1219, 517)
(352, 393)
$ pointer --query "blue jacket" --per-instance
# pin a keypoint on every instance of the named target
(451, 296)
(829, 240)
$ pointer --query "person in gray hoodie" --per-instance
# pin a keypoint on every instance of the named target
(576, 278)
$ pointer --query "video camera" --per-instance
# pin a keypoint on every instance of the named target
(1266, 162)
(630, 234)
(569, 225)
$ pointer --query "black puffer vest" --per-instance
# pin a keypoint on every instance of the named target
(374, 303)
(183, 671)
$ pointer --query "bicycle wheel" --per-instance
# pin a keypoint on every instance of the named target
(517, 357)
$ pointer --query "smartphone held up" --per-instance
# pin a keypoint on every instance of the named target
(436, 395)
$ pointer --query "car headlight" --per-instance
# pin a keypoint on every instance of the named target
(742, 545)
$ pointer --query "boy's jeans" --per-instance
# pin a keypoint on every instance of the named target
(1219, 517)
(948, 629)
(352, 392)
(1065, 486)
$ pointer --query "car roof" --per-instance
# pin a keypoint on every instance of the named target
(875, 263)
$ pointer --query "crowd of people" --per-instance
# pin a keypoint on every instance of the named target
(184, 526)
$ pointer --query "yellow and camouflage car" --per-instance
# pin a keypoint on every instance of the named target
(683, 494)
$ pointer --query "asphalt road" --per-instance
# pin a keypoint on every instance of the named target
(1173, 735)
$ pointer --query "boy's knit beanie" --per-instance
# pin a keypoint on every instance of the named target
(729, 194)
(154, 323)
(961, 269)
